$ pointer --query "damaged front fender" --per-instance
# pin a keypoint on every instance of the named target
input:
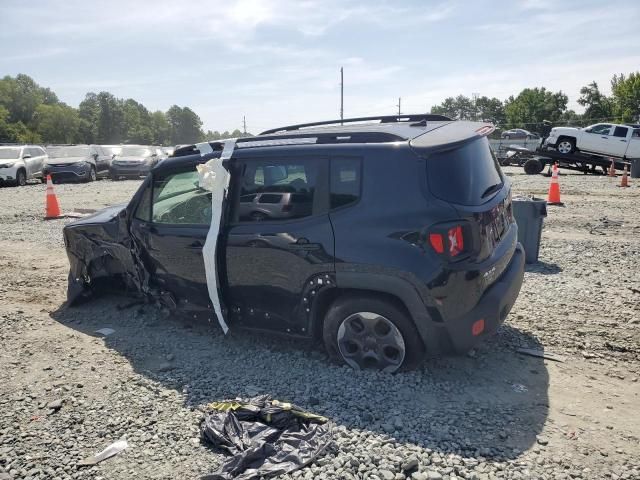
(100, 246)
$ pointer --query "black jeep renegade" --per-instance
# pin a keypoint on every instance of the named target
(384, 237)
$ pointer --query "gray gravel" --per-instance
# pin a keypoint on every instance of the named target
(67, 392)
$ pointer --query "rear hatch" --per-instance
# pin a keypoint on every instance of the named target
(470, 179)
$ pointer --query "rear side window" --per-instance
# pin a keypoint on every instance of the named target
(270, 198)
(620, 132)
(469, 175)
(345, 181)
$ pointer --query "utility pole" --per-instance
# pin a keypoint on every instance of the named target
(475, 103)
(341, 94)
(244, 125)
(399, 106)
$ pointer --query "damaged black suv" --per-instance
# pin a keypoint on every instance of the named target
(385, 237)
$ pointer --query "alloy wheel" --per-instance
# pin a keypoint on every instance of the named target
(564, 147)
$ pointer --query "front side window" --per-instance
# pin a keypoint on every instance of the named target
(276, 190)
(602, 129)
(178, 199)
(345, 181)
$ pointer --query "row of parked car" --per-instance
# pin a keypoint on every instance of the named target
(69, 163)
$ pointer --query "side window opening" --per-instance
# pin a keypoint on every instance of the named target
(345, 181)
(143, 211)
(178, 199)
(276, 190)
(620, 132)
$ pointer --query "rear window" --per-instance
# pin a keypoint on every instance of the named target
(270, 198)
(469, 175)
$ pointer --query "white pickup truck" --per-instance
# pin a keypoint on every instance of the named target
(622, 141)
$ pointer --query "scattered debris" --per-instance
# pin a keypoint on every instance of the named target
(113, 449)
(54, 406)
(266, 437)
(105, 331)
(603, 223)
(518, 387)
(540, 354)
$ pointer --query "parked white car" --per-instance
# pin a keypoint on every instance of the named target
(621, 141)
(19, 163)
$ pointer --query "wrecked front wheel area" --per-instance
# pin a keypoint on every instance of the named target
(370, 333)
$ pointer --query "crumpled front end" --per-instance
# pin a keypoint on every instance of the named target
(99, 247)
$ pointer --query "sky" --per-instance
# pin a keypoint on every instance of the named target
(278, 62)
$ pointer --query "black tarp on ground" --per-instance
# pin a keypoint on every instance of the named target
(266, 437)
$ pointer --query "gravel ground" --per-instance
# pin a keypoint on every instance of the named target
(67, 392)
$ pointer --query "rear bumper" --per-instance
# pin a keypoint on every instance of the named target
(493, 307)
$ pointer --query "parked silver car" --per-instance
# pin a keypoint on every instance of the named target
(19, 163)
(274, 205)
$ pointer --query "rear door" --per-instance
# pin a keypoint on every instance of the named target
(171, 224)
(278, 258)
(620, 140)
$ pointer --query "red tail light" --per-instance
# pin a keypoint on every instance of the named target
(437, 242)
(449, 239)
(287, 208)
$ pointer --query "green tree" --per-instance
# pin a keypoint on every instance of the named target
(89, 112)
(626, 96)
(136, 123)
(598, 107)
(532, 106)
(460, 108)
(160, 128)
(491, 110)
(185, 125)
(111, 127)
(57, 123)
(21, 95)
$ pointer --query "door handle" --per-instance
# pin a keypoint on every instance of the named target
(304, 244)
(606, 138)
(623, 141)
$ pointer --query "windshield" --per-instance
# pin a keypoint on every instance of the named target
(9, 153)
(135, 152)
(113, 150)
(68, 152)
(468, 175)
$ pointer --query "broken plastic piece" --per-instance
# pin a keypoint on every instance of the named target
(540, 354)
(105, 331)
(113, 449)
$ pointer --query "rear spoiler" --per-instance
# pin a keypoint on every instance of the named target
(451, 135)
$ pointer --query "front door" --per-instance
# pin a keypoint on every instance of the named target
(619, 140)
(171, 224)
(279, 246)
(597, 139)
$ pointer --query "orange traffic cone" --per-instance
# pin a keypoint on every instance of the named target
(52, 205)
(554, 188)
(625, 180)
(612, 169)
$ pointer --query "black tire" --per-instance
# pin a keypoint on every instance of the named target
(114, 178)
(506, 137)
(258, 216)
(92, 176)
(346, 306)
(21, 178)
(533, 166)
(566, 146)
(43, 179)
